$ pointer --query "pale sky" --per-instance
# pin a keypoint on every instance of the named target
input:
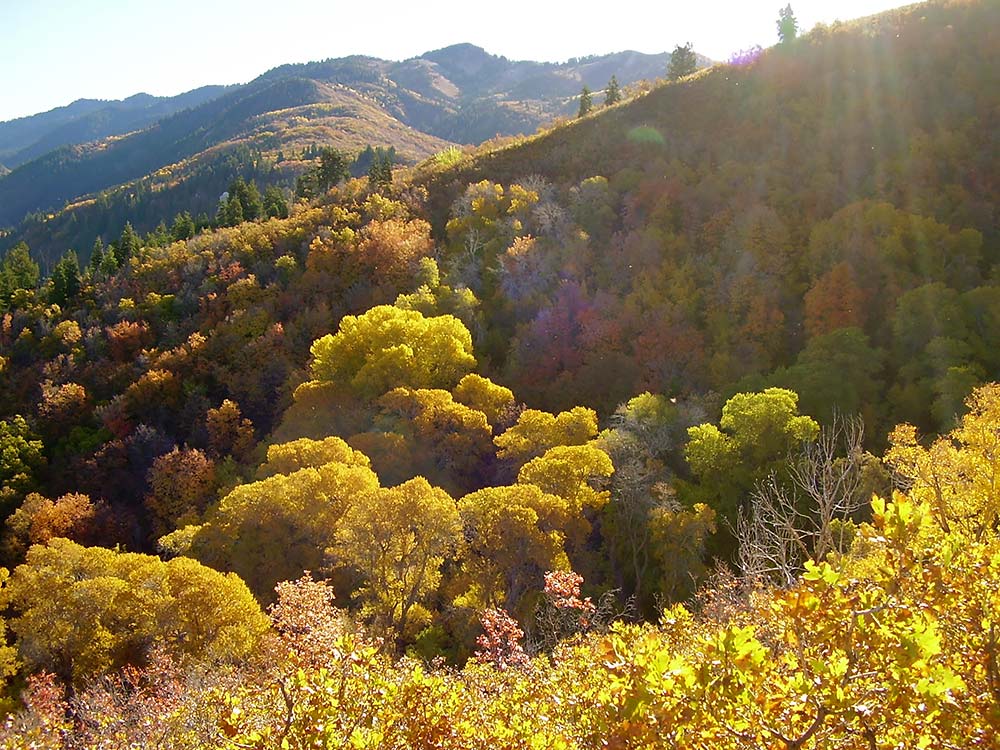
(55, 51)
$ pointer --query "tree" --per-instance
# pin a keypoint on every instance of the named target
(183, 227)
(275, 205)
(788, 27)
(380, 172)
(84, 611)
(810, 516)
(586, 102)
(537, 431)
(758, 431)
(482, 394)
(182, 483)
(21, 457)
(683, 62)
(613, 93)
(332, 169)
(513, 536)
(65, 279)
(274, 529)
(305, 453)
(388, 347)
(398, 539)
(127, 246)
(18, 271)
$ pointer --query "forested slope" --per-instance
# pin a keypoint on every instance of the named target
(628, 434)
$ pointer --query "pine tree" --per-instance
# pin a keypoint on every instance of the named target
(682, 62)
(128, 245)
(183, 227)
(586, 102)
(788, 27)
(65, 279)
(275, 205)
(332, 169)
(96, 254)
(18, 271)
(612, 94)
(380, 172)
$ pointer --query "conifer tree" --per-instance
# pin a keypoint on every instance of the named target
(788, 27)
(18, 271)
(128, 245)
(682, 62)
(586, 102)
(65, 279)
(612, 94)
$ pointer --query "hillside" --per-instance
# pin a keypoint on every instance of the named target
(85, 120)
(676, 425)
(347, 103)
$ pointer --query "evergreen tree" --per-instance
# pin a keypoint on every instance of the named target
(183, 227)
(65, 279)
(306, 185)
(612, 94)
(332, 169)
(18, 271)
(682, 62)
(127, 246)
(96, 254)
(109, 263)
(380, 172)
(586, 102)
(275, 205)
(788, 27)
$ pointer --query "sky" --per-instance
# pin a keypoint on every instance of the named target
(53, 52)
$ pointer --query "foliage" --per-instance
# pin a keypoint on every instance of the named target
(86, 610)
(398, 539)
(683, 62)
(388, 347)
(788, 26)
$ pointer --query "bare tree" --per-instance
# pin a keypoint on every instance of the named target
(801, 518)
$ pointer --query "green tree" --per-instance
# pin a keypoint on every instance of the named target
(788, 27)
(586, 102)
(613, 93)
(127, 246)
(96, 255)
(683, 62)
(18, 271)
(332, 169)
(380, 172)
(21, 458)
(65, 279)
(275, 205)
(183, 227)
(755, 436)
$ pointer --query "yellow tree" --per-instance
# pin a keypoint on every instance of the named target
(482, 394)
(569, 471)
(274, 529)
(306, 453)
(397, 539)
(389, 347)
(449, 442)
(513, 535)
(537, 431)
(82, 611)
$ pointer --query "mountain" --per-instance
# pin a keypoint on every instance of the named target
(460, 94)
(85, 120)
(641, 367)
